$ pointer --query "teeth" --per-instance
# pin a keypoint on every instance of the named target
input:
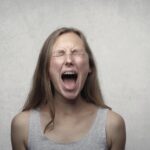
(69, 72)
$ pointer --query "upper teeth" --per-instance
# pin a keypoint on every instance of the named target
(69, 72)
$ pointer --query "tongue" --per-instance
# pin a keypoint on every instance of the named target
(69, 84)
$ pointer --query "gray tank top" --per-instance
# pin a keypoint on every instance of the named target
(95, 139)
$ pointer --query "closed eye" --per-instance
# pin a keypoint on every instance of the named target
(77, 52)
(59, 53)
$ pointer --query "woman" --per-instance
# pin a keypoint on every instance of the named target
(65, 109)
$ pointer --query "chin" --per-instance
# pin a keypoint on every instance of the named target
(67, 95)
(70, 96)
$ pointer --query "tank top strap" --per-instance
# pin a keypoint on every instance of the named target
(34, 133)
(98, 132)
(101, 121)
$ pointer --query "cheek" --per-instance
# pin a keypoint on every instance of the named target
(55, 64)
(54, 68)
(84, 64)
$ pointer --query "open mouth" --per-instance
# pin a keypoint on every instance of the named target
(69, 79)
(69, 76)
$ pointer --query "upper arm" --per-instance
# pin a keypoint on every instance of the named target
(19, 131)
(116, 132)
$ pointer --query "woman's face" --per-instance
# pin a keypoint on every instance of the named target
(69, 65)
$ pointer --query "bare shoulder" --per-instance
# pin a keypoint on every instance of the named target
(116, 132)
(115, 120)
(20, 119)
(19, 130)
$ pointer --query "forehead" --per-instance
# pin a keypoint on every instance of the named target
(68, 40)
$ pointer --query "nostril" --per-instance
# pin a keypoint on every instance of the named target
(68, 63)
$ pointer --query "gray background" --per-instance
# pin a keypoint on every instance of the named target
(119, 34)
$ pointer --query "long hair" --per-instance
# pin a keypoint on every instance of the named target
(42, 89)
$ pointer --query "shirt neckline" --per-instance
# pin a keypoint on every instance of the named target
(80, 140)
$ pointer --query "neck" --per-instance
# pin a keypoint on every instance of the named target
(67, 106)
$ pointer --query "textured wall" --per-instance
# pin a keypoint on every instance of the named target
(119, 34)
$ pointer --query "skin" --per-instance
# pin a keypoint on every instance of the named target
(68, 103)
(69, 44)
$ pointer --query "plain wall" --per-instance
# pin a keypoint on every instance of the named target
(118, 32)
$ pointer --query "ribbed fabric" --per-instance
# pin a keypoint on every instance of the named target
(95, 139)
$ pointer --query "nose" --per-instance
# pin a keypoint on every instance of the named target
(68, 59)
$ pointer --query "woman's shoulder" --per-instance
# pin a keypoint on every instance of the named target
(19, 128)
(115, 128)
(21, 118)
(114, 119)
